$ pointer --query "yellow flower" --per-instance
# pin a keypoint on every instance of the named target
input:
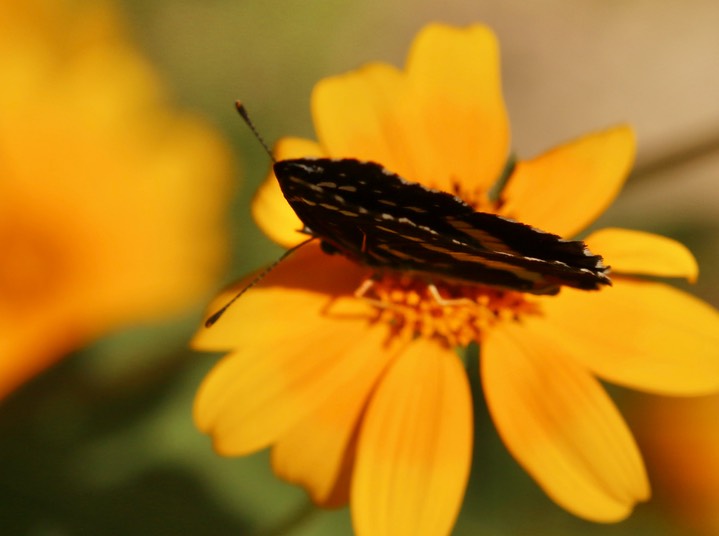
(682, 439)
(371, 404)
(110, 202)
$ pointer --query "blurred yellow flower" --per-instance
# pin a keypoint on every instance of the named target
(682, 442)
(371, 404)
(110, 201)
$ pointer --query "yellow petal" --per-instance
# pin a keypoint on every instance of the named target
(644, 335)
(270, 209)
(296, 337)
(318, 453)
(442, 123)
(355, 115)
(560, 425)
(308, 284)
(638, 252)
(414, 448)
(260, 392)
(455, 109)
(565, 189)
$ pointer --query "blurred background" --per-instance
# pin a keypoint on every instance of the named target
(96, 435)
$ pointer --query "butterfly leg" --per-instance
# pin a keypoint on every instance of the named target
(365, 287)
(367, 284)
(362, 290)
(447, 302)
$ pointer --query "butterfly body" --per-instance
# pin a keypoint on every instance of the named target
(374, 217)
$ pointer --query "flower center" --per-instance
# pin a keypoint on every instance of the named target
(456, 314)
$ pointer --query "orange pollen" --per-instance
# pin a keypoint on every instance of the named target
(456, 314)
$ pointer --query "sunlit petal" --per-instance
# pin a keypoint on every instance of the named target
(638, 252)
(560, 425)
(644, 335)
(455, 109)
(442, 123)
(254, 396)
(318, 452)
(565, 189)
(307, 284)
(414, 448)
(298, 338)
(355, 115)
(270, 209)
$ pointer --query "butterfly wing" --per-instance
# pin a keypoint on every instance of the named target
(375, 217)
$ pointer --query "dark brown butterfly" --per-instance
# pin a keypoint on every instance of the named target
(374, 217)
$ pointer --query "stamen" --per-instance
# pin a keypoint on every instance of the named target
(455, 314)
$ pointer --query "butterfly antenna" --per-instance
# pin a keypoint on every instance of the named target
(246, 118)
(259, 277)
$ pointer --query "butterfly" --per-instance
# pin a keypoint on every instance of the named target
(376, 218)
